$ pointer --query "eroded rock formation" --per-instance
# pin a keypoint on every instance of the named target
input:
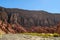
(13, 20)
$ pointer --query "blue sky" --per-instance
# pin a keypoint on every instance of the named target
(47, 5)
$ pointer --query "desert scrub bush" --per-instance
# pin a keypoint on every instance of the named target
(33, 34)
(1, 34)
(43, 34)
(56, 35)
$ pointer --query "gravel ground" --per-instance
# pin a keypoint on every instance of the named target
(25, 37)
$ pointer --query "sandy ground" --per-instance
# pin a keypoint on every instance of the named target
(25, 37)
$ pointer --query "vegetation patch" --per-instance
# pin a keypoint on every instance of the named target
(43, 34)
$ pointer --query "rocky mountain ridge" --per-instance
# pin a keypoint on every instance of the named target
(15, 20)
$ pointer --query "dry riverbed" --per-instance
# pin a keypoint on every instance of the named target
(25, 37)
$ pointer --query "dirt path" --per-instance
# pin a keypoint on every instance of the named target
(24, 37)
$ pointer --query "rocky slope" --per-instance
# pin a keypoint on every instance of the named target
(13, 20)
